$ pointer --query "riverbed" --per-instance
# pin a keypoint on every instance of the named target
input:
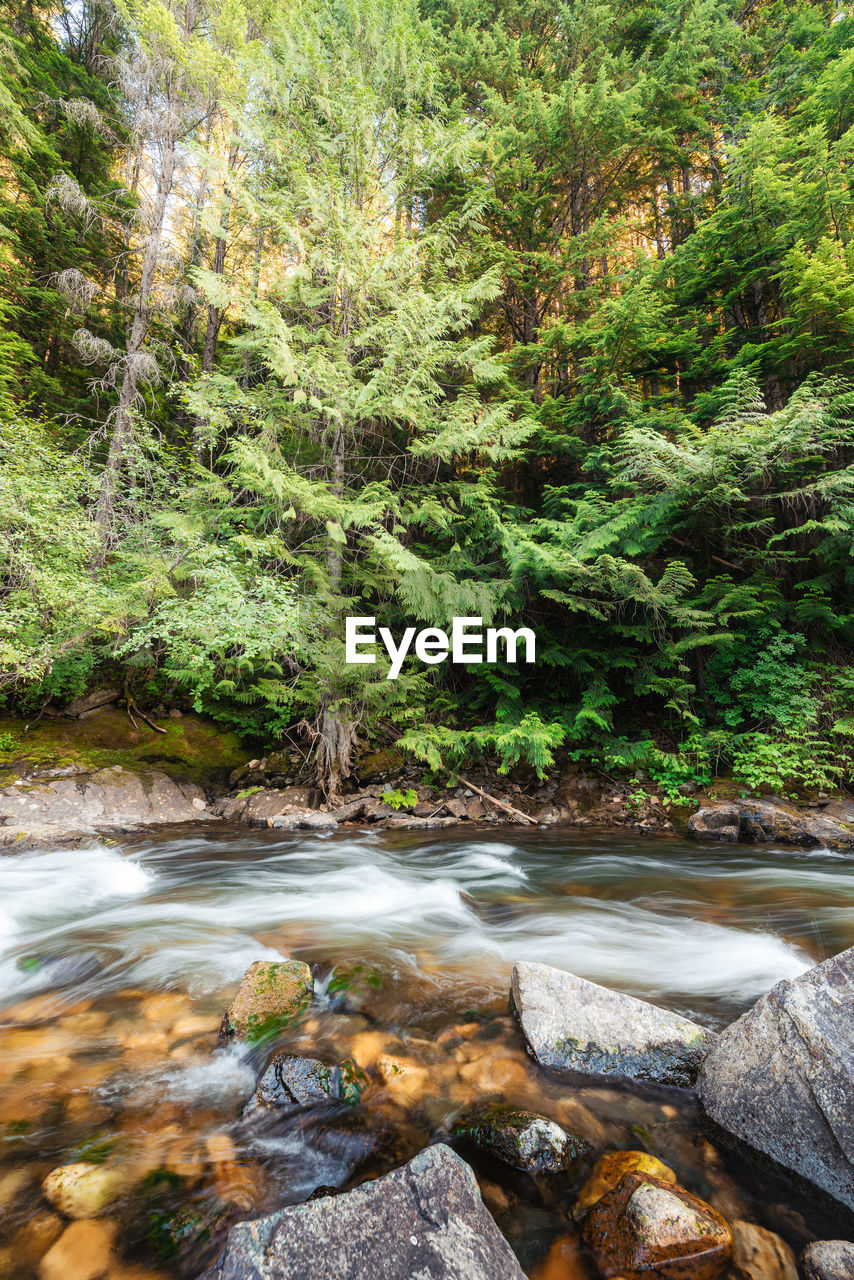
(117, 962)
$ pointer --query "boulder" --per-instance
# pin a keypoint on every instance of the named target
(105, 800)
(571, 1025)
(718, 823)
(260, 804)
(828, 1260)
(759, 1254)
(425, 1221)
(306, 821)
(83, 707)
(610, 1168)
(291, 1083)
(272, 995)
(523, 1140)
(780, 1078)
(770, 822)
(647, 1225)
(406, 822)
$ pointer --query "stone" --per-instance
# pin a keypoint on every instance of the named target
(720, 822)
(406, 822)
(84, 1251)
(272, 995)
(105, 800)
(828, 1260)
(759, 1254)
(291, 1082)
(647, 1225)
(772, 822)
(354, 987)
(779, 1080)
(83, 1190)
(523, 1140)
(92, 702)
(610, 1168)
(307, 821)
(425, 1221)
(571, 1025)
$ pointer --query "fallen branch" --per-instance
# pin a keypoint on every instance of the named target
(131, 704)
(499, 804)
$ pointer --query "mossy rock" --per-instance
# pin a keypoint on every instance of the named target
(354, 987)
(272, 996)
(191, 749)
(379, 764)
(523, 1140)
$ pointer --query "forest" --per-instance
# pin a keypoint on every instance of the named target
(534, 312)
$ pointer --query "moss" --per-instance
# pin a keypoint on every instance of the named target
(192, 749)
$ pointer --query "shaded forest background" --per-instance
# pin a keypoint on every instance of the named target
(532, 311)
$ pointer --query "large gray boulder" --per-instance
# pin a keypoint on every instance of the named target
(718, 822)
(114, 799)
(571, 1025)
(425, 1221)
(781, 1078)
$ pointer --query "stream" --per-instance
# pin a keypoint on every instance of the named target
(116, 965)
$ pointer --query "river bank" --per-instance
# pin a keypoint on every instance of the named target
(100, 774)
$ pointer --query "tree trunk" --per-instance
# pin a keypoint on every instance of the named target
(215, 313)
(336, 728)
(123, 416)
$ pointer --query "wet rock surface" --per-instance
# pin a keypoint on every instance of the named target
(759, 1254)
(611, 1168)
(646, 1225)
(291, 1082)
(425, 1221)
(574, 1026)
(770, 822)
(113, 799)
(272, 995)
(828, 1260)
(780, 1079)
(718, 823)
(522, 1140)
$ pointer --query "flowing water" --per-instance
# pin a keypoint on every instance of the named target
(116, 965)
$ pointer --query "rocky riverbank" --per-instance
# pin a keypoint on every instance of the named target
(630, 1216)
(97, 774)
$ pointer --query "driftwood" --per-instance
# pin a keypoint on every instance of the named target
(131, 707)
(499, 804)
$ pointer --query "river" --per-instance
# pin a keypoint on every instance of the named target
(116, 965)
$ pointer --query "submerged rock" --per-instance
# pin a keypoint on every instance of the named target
(84, 1251)
(780, 1079)
(608, 1171)
(523, 1140)
(828, 1260)
(646, 1225)
(425, 1221)
(571, 1025)
(759, 1254)
(83, 1190)
(272, 995)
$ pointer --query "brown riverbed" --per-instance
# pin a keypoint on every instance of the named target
(116, 965)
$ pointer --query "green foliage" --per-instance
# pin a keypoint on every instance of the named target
(538, 313)
(397, 799)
